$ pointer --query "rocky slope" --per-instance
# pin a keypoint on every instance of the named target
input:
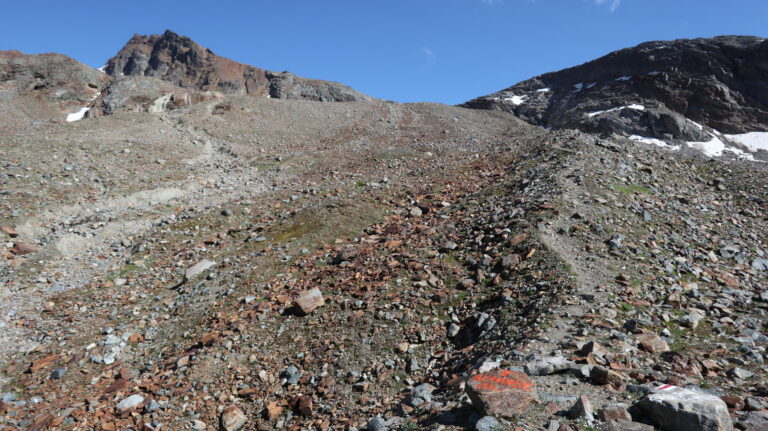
(674, 91)
(375, 266)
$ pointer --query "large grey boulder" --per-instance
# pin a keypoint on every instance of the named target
(679, 409)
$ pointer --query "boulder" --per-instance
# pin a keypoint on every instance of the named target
(677, 409)
(501, 393)
(309, 300)
(232, 419)
(545, 365)
(652, 343)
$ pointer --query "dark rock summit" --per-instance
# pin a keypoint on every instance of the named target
(664, 90)
(182, 62)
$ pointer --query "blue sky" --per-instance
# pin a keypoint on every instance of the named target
(445, 51)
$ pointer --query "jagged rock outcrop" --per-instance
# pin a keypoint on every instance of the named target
(144, 94)
(663, 90)
(182, 62)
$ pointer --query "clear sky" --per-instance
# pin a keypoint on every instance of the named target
(445, 51)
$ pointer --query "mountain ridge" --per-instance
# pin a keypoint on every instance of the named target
(664, 90)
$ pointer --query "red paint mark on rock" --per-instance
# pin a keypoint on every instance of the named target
(502, 393)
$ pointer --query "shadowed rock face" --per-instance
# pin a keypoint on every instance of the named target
(654, 90)
(182, 62)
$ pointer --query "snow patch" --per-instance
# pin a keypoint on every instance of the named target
(712, 148)
(633, 106)
(77, 116)
(623, 78)
(578, 87)
(102, 69)
(653, 141)
(544, 90)
(654, 73)
(740, 154)
(754, 141)
(591, 85)
(516, 100)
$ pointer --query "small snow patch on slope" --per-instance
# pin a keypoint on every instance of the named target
(578, 87)
(76, 116)
(633, 106)
(516, 100)
(653, 141)
(623, 78)
(544, 90)
(754, 141)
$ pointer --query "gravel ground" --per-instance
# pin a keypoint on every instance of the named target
(445, 242)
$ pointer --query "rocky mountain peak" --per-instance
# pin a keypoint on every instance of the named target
(182, 62)
(168, 56)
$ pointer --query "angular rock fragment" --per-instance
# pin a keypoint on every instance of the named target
(603, 376)
(545, 365)
(612, 425)
(20, 249)
(130, 402)
(614, 412)
(309, 300)
(652, 343)
(232, 419)
(198, 268)
(582, 409)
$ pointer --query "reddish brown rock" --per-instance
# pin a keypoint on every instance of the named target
(273, 410)
(502, 393)
(518, 239)
(734, 402)
(20, 249)
(208, 339)
(604, 376)
(12, 233)
(42, 423)
(41, 363)
(309, 300)
(614, 412)
(119, 385)
(304, 406)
